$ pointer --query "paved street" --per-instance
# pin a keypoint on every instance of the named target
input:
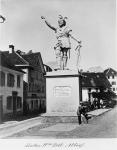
(13, 127)
(103, 126)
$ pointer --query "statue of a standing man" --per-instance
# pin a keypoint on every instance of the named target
(63, 45)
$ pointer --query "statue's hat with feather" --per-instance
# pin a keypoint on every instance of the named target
(60, 17)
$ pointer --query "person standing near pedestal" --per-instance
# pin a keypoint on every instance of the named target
(82, 115)
(63, 46)
(79, 112)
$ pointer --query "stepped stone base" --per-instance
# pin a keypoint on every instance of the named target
(69, 117)
(60, 119)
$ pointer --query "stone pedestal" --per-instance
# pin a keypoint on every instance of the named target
(62, 92)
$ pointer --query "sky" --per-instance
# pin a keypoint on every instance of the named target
(91, 21)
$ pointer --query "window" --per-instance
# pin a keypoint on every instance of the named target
(113, 76)
(89, 90)
(10, 80)
(9, 102)
(113, 83)
(42, 89)
(113, 89)
(108, 77)
(43, 103)
(19, 102)
(35, 104)
(34, 95)
(32, 105)
(18, 80)
(38, 88)
(2, 78)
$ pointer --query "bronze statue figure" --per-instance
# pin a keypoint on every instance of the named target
(63, 45)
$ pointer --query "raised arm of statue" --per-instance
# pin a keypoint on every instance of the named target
(48, 24)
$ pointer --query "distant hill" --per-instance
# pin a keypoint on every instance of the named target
(52, 64)
(95, 69)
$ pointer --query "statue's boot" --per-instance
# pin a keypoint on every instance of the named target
(59, 65)
(65, 58)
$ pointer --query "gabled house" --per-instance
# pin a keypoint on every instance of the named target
(47, 68)
(34, 80)
(11, 87)
(111, 75)
(93, 82)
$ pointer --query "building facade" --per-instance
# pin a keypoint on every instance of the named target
(34, 92)
(93, 82)
(11, 87)
(111, 75)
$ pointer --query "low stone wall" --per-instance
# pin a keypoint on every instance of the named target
(60, 119)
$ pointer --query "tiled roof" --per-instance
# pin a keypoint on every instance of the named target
(6, 62)
(110, 72)
(95, 80)
(35, 60)
(15, 58)
(32, 60)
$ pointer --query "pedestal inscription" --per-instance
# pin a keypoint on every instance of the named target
(62, 91)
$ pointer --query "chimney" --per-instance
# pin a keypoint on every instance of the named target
(11, 47)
